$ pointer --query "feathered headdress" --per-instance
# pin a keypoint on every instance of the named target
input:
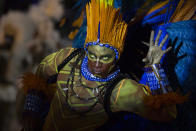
(105, 26)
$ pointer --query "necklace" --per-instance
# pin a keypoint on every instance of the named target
(97, 89)
(71, 79)
(89, 76)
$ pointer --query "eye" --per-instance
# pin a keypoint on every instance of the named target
(105, 58)
(92, 56)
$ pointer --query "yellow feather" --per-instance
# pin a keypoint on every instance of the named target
(112, 28)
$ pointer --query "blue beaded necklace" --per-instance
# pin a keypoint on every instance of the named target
(89, 76)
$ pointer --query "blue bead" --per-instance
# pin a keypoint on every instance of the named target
(106, 45)
(101, 44)
(111, 48)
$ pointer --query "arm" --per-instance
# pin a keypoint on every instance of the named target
(156, 78)
(38, 92)
(157, 100)
(129, 96)
(161, 97)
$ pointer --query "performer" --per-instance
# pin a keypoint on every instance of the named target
(78, 89)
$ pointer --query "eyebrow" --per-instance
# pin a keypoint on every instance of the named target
(107, 55)
(91, 53)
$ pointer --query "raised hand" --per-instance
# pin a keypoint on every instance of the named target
(155, 52)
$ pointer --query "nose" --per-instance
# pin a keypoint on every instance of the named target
(98, 63)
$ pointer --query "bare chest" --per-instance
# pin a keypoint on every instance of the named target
(79, 94)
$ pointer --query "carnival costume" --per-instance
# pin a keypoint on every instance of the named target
(65, 95)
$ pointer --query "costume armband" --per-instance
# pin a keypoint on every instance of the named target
(38, 95)
(156, 78)
(161, 94)
(35, 105)
(32, 103)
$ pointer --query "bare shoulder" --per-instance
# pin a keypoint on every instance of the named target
(130, 86)
(58, 56)
(126, 95)
(124, 88)
(127, 84)
(49, 64)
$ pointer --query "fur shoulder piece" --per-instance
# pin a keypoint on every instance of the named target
(164, 100)
(32, 82)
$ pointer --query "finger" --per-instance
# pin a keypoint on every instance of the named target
(145, 43)
(152, 38)
(163, 41)
(157, 39)
(168, 49)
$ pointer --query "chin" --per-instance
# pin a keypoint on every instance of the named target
(97, 75)
(101, 75)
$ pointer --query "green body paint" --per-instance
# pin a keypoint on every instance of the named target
(101, 60)
(101, 54)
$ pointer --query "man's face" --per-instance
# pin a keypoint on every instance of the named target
(100, 60)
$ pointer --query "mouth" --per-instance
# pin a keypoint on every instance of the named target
(96, 71)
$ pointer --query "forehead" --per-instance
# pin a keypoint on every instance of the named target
(100, 50)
